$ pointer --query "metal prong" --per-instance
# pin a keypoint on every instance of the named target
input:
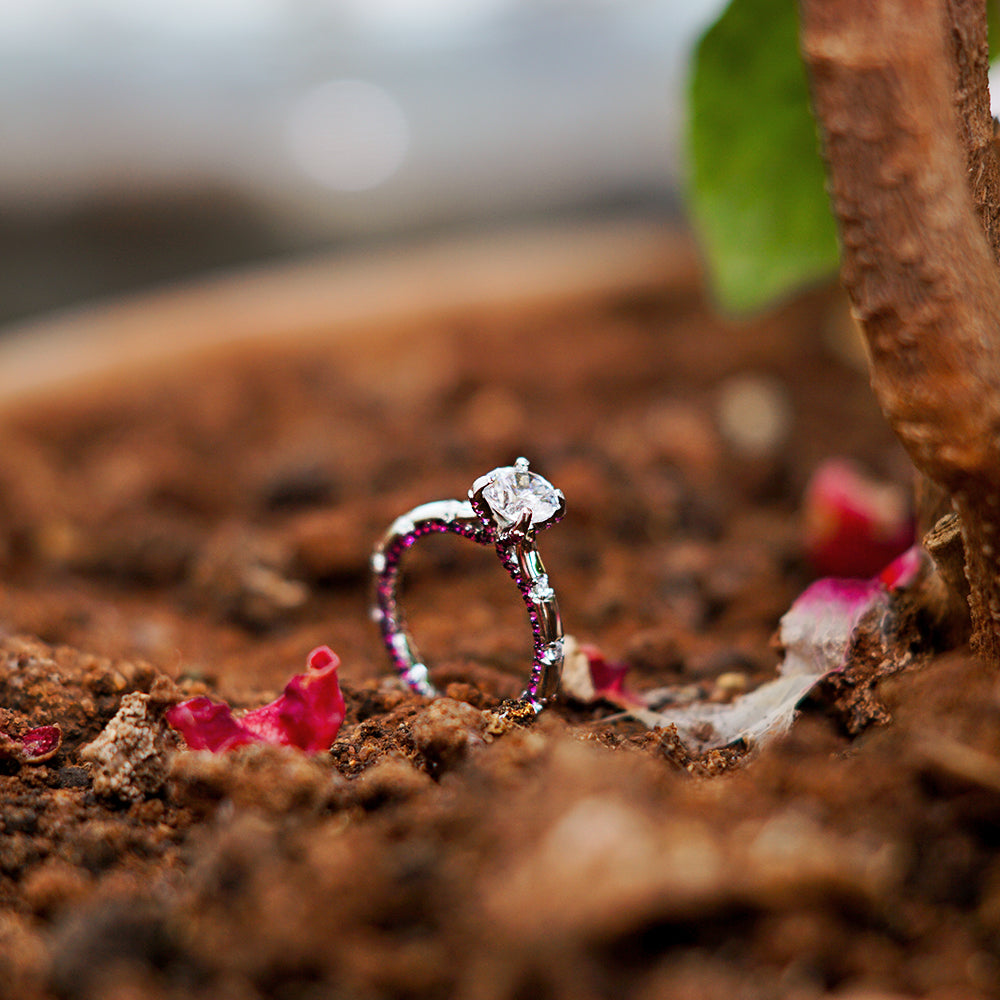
(517, 531)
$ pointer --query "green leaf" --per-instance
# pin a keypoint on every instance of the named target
(756, 184)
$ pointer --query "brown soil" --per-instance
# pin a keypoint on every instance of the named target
(208, 530)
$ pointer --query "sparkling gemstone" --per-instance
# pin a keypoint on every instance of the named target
(540, 589)
(511, 491)
(553, 651)
(417, 675)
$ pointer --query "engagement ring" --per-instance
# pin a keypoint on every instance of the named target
(506, 507)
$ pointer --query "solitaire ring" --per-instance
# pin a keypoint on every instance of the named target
(506, 508)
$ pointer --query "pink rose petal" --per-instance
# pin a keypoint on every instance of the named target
(853, 524)
(904, 570)
(817, 630)
(817, 634)
(307, 715)
(41, 743)
(589, 677)
(35, 747)
(607, 678)
(309, 712)
(208, 725)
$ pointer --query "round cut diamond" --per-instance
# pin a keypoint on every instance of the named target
(512, 491)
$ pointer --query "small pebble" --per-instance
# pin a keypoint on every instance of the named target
(129, 755)
(730, 684)
(754, 414)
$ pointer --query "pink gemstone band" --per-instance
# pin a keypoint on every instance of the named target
(506, 508)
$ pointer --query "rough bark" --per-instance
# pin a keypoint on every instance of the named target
(900, 93)
(968, 48)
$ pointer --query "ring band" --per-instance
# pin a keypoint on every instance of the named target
(506, 508)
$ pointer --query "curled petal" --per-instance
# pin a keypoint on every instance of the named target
(815, 632)
(34, 747)
(608, 678)
(307, 715)
(309, 712)
(904, 570)
(41, 743)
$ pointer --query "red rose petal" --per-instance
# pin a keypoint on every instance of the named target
(35, 747)
(309, 712)
(903, 571)
(307, 715)
(40, 744)
(817, 630)
(607, 678)
(854, 525)
(208, 725)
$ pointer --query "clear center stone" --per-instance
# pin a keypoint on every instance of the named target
(511, 491)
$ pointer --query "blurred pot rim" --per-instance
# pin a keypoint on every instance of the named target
(362, 294)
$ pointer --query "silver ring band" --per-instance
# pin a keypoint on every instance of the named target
(505, 509)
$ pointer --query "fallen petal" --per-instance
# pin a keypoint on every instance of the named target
(588, 677)
(307, 715)
(757, 717)
(40, 744)
(608, 678)
(853, 524)
(34, 747)
(208, 725)
(816, 630)
(904, 570)
(817, 635)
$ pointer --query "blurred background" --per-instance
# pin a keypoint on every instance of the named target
(142, 142)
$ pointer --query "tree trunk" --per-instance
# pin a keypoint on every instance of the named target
(900, 92)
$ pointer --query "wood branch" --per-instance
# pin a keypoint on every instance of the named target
(969, 51)
(888, 77)
(970, 59)
(944, 543)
